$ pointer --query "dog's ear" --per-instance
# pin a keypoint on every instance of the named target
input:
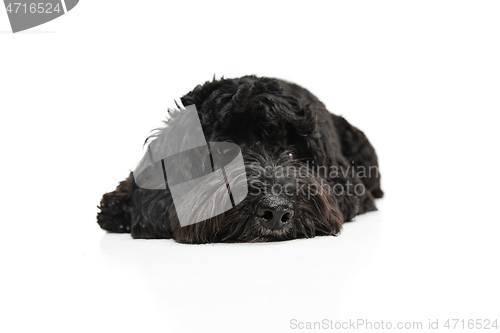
(320, 136)
(359, 153)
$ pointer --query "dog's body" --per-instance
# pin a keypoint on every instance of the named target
(278, 126)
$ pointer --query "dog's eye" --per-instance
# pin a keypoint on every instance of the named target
(291, 154)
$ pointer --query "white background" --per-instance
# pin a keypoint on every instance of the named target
(79, 95)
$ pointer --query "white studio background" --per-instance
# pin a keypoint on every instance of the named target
(79, 95)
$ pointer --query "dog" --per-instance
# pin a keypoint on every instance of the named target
(288, 140)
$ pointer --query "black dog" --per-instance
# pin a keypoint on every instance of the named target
(288, 140)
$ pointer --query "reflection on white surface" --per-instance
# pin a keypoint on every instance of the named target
(387, 265)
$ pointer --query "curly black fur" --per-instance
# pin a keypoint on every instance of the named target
(279, 126)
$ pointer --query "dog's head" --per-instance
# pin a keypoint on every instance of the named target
(284, 141)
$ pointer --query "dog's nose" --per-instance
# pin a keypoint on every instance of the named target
(274, 218)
